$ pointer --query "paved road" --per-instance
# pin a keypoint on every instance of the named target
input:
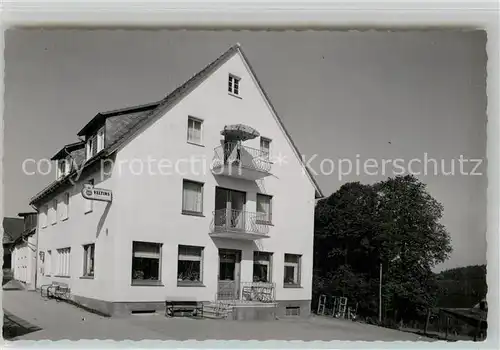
(59, 320)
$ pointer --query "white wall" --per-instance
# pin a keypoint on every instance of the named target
(79, 229)
(148, 207)
(24, 261)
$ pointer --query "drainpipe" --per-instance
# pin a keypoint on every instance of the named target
(36, 250)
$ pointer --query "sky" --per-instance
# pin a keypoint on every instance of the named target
(345, 95)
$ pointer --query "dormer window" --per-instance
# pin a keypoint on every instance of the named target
(233, 86)
(95, 143)
(64, 166)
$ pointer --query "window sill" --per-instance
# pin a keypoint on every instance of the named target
(87, 277)
(147, 284)
(234, 95)
(298, 286)
(64, 219)
(189, 284)
(88, 212)
(195, 144)
(58, 276)
(192, 213)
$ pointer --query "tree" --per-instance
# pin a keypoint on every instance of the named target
(394, 222)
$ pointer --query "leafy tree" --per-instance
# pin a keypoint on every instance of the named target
(394, 223)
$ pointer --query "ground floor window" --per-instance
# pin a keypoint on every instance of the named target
(189, 264)
(262, 267)
(292, 270)
(48, 263)
(88, 260)
(146, 258)
(63, 262)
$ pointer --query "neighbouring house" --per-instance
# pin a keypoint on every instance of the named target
(12, 229)
(201, 196)
(24, 251)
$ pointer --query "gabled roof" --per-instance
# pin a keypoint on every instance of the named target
(12, 229)
(155, 109)
(101, 117)
(63, 152)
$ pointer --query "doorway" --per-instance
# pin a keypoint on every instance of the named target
(228, 287)
(230, 209)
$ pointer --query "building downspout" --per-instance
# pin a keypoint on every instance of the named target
(36, 250)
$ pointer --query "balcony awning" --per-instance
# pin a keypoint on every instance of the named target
(239, 132)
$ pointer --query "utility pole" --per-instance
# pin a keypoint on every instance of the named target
(380, 295)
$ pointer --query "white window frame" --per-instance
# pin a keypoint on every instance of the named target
(234, 85)
(297, 270)
(64, 262)
(149, 256)
(189, 257)
(64, 207)
(265, 154)
(88, 255)
(100, 139)
(266, 218)
(263, 258)
(54, 216)
(88, 203)
(48, 263)
(191, 121)
(184, 209)
(44, 216)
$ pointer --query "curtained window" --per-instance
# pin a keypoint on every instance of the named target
(192, 197)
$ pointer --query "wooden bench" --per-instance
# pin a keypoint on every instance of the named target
(173, 306)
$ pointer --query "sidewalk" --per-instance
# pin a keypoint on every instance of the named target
(59, 320)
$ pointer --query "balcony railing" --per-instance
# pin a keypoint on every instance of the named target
(260, 292)
(236, 155)
(228, 220)
(263, 292)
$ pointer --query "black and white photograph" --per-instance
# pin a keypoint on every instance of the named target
(309, 185)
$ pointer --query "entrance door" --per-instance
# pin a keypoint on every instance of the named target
(229, 274)
(230, 208)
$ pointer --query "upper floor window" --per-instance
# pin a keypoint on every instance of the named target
(194, 130)
(192, 197)
(89, 204)
(265, 147)
(53, 216)
(64, 167)
(95, 143)
(233, 85)
(64, 207)
(43, 216)
(264, 208)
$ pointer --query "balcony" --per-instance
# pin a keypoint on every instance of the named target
(238, 224)
(235, 160)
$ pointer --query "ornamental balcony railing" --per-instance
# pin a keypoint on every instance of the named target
(248, 292)
(240, 224)
(262, 292)
(234, 159)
